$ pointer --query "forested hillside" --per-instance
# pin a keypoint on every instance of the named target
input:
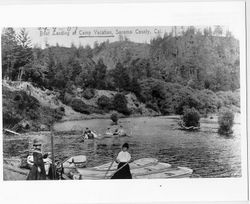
(192, 69)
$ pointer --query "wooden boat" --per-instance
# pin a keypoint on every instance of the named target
(178, 172)
(191, 128)
(110, 135)
(145, 168)
(139, 163)
(93, 174)
(71, 163)
(94, 136)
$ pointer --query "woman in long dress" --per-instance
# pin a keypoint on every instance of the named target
(123, 168)
(37, 171)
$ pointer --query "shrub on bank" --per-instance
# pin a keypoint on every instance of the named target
(152, 106)
(59, 113)
(67, 98)
(226, 119)
(79, 106)
(88, 93)
(191, 117)
(114, 118)
(120, 104)
(104, 102)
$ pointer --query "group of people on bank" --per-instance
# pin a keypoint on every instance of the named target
(41, 165)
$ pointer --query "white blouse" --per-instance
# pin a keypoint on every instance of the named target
(123, 156)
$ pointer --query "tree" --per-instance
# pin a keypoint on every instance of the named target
(16, 53)
(104, 102)
(24, 39)
(121, 77)
(24, 52)
(99, 75)
(59, 78)
(9, 47)
(120, 104)
(191, 118)
(140, 69)
(218, 31)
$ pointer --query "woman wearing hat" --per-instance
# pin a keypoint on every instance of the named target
(123, 168)
(37, 171)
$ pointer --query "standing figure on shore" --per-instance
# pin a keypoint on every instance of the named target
(123, 168)
(37, 171)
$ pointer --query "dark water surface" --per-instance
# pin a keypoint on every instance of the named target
(206, 152)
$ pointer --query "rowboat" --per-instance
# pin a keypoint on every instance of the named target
(145, 168)
(139, 163)
(71, 163)
(190, 128)
(178, 172)
(94, 136)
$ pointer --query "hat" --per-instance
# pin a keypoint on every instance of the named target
(125, 145)
(36, 143)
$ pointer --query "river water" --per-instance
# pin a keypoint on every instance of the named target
(206, 152)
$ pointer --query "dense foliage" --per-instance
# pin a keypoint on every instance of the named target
(22, 111)
(192, 69)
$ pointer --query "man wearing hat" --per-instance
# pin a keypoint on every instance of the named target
(37, 171)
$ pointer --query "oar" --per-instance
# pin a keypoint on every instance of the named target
(119, 169)
(109, 167)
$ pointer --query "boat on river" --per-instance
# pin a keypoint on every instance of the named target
(182, 126)
(145, 168)
(71, 163)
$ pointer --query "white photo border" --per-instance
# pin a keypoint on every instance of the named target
(136, 14)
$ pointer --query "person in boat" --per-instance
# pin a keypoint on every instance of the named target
(123, 169)
(116, 132)
(37, 171)
(120, 131)
(108, 131)
(88, 134)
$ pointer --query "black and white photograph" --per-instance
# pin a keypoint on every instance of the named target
(121, 103)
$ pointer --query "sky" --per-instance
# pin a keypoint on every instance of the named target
(66, 36)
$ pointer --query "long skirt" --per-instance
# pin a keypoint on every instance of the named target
(34, 174)
(123, 173)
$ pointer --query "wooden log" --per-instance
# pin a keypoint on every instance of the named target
(10, 131)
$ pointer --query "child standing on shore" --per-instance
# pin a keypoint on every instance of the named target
(123, 168)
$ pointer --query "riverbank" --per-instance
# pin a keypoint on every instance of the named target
(30, 108)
